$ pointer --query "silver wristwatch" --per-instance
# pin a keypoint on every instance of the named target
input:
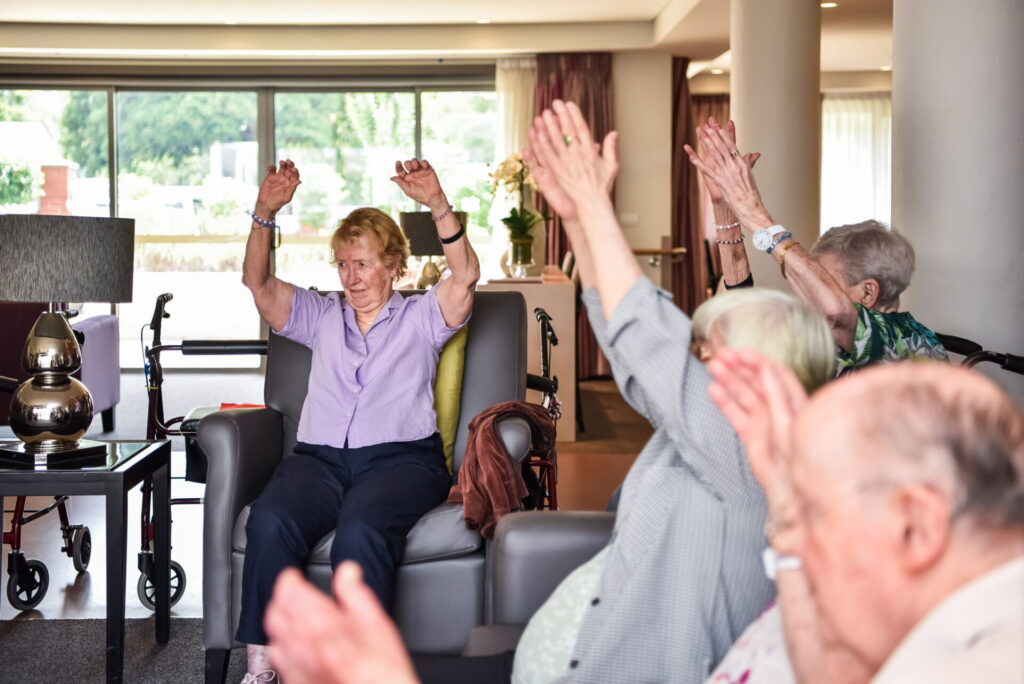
(764, 237)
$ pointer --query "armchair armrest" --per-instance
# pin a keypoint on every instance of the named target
(515, 434)
(243, 447)
(532, 553)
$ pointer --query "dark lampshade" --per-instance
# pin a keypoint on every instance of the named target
(421, 230)
(66, 258)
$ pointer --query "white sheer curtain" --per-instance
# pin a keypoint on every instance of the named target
(856, 158)
(515, 81)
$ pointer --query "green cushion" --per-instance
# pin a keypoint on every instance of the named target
(448, 392)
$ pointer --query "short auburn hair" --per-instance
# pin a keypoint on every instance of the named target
(378, 228)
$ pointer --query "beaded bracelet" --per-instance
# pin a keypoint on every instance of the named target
(734, 224)
(263, 222)
(730, 242)
(444, 214)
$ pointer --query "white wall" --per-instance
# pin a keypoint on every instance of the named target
(643, 117)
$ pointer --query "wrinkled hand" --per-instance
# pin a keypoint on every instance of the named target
(418, 180)
(569, 173)
(730, 133)
(351, 640)
(761, 397)
(730, 173)
(278, 186)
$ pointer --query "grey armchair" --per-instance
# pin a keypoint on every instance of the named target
(531, 554)
(439, 595)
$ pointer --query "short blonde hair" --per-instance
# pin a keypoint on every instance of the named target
(776, 324)
(381, 230)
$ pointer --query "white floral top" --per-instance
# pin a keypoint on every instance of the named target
(546, 647)
(759, 656)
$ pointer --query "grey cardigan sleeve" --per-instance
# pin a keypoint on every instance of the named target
(647, 342)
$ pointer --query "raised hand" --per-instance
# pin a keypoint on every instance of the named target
(278, 187)
(573, 167)
(418, 180)
(760, 397)
(730, 171)
(351, 640)
(730, 133)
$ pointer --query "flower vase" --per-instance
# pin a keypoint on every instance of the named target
(520, 255)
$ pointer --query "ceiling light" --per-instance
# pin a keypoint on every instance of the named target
(483, 21)
(887, 67)
(716, 72)
(829, 5)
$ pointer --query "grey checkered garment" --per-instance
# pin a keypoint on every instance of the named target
(684, 576)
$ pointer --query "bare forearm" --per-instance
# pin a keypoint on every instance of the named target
(615, 269)
(272, 296)
(735, 266)
(581, 252)
(256, 266)
(814, 285)
(460, 256)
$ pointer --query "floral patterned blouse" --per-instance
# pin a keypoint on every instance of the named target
(888, 337)
(759, 656)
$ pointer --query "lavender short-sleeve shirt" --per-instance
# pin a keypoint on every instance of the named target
(368, 389)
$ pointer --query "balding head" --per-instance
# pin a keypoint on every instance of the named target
(936, 423)
(911, 477)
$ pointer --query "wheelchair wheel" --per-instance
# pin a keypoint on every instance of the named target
(25, 592)
(81, 548)
(147, 590)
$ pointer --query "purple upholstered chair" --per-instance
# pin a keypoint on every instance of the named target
(101, 364)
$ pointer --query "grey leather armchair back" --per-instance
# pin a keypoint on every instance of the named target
(489, 354)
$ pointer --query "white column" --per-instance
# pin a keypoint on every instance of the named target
(776, 104)
(958, 167)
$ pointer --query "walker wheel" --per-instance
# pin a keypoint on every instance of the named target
(25, 592)
(81, 548)
(147, 590)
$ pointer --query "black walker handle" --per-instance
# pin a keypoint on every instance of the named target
(222, 347)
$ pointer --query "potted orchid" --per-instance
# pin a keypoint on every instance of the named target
(513, 177)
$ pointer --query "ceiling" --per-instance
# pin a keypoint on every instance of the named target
(336, 12)
(856, 35)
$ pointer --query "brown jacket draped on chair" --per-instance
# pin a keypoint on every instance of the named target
(490, 483)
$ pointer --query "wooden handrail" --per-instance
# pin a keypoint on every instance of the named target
(664, 251)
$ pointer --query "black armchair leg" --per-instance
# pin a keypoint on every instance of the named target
(217, 665)
(108, 419)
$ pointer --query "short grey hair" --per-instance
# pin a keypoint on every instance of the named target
(870, 249)
(776, 324)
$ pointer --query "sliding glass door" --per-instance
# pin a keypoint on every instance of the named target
(188, 172)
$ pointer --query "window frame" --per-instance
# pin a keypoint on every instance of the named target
(477, 77)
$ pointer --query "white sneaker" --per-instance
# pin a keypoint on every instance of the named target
(265, 677)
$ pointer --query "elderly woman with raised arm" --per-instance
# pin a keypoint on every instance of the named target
(369, 461)
(853, 274)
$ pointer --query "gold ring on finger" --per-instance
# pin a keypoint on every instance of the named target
(568, 139)
(735, 153)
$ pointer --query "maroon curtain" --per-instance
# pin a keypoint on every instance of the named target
(690, 273)
(703, 106)
(586, 79)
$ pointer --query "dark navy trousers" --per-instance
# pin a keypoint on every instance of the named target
(371, 497)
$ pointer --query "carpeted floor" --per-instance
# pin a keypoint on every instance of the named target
(57, 651)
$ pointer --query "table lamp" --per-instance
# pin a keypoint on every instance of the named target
(59, 259)
(421, 231)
